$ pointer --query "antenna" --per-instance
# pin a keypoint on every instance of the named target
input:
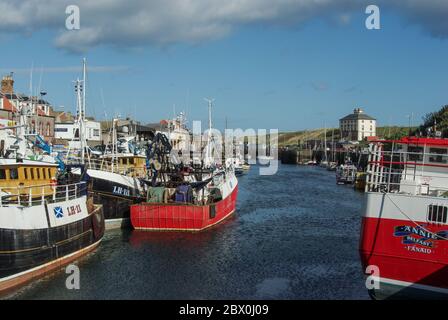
(31, 78)
(210, 103)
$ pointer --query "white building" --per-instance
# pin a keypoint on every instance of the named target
(357, 126)
(69, 131)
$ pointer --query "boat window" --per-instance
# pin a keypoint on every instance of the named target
(131, 161)
(2, 174)
(13, 174)
(438, 155)
(415, 153)
(437, 213)
(44, 174)
(38, 173)
(25, 173)
(49, 173)
(32, 173)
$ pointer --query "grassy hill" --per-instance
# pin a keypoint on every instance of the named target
(293, 138)
(440, 118)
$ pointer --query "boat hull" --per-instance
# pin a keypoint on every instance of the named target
(411, 261)
(116, 193)
(26, 254)
(179, 217)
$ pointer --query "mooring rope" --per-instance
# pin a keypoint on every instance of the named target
(414, 222)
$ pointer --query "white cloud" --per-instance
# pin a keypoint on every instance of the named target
(163, 22)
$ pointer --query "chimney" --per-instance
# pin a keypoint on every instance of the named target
(8, 84)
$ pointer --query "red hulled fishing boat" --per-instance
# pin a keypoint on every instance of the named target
(404, 246)
(185, 208)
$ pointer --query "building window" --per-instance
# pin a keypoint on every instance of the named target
(437, 213)
(60, 129)
(96, 132)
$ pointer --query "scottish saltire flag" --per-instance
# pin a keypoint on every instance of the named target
(58, 212)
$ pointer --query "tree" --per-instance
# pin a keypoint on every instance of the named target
(438, 118)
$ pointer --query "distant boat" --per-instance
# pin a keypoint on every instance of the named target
(332, 166)
(265, 158)
(346, 174)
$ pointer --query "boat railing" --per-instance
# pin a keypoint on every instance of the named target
(399, 171)
(28, 196)
(113, 166)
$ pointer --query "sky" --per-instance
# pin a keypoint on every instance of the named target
(287, 65)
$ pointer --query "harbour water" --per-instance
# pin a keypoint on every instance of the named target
(294, 236)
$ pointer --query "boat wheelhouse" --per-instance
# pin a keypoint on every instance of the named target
(404, 227)
(14, 174)
(116, 185)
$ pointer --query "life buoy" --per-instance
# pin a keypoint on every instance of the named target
(53, 182)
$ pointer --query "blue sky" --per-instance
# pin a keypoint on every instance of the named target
(290, 77)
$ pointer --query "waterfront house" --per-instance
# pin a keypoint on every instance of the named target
(357, 126)
(40, 111)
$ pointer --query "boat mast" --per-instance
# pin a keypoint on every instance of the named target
(332, 145)
(325, 142)
(209, 136)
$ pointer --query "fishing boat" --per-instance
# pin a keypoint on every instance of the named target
(346, 173)
(189, 206)
(240, 167)
(404, 237)
(44, 224)
(116, 185)
(185, 198)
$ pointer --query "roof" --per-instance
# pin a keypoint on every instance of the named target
(25, 98)
(157, 126)
(424, 141)
(26, 162)
(358, 116)
(418, 141)
(8, 106)
(141, 128)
